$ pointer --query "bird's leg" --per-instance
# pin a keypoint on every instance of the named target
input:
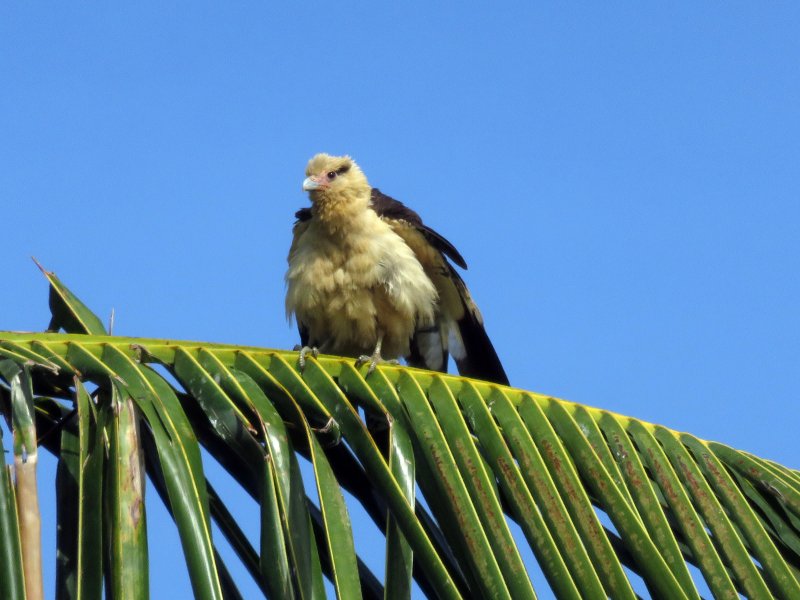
(376, 358)
(305, 351)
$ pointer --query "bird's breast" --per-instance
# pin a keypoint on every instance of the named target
(354, 286)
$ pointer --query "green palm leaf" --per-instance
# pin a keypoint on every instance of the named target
(482, 456)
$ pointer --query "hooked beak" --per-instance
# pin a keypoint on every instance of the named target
(310, 183)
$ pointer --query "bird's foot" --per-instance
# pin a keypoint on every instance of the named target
(305, 351)
(374, 360)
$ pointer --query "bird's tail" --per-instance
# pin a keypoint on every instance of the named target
(459, 332)
(479, 360)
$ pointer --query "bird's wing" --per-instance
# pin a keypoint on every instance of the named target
(459, 328)
(303, 217)
(393, 210)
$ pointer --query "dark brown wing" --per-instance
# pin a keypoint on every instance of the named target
(389, 208)
(303, 216)
(472, 350)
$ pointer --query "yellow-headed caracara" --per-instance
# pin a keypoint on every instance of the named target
(368, 279)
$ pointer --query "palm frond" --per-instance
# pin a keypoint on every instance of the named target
(443, 465)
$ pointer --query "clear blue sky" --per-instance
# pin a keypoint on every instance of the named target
(623, 182)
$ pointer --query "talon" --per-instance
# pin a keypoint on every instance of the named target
(375, 359)
(305, 351)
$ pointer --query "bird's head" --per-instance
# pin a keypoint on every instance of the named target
(334, 176)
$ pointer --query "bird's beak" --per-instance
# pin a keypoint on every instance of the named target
(310, 183)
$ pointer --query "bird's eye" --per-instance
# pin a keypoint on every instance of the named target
(332, 175)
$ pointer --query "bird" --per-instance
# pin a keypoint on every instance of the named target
(368, 279)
